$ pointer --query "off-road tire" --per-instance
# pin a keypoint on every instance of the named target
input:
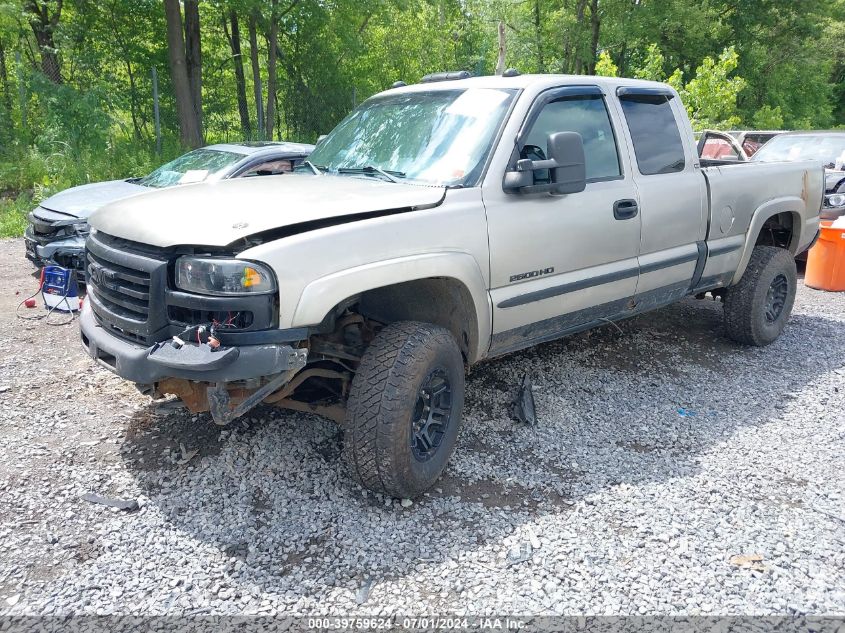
(746, 303)
(377, 445)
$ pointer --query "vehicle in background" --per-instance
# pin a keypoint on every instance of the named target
(59, 225)
(825, 147)
(715, 145)
(734, 145)
(752, 140)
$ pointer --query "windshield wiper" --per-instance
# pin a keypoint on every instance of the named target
(317, 169)
(388, 174)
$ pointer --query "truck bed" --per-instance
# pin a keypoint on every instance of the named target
(736, 191)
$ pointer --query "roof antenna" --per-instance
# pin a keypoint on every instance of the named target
(398, 84)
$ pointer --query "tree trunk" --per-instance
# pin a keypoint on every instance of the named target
(256, 74)
(43, 24)
(579, 46)
(503, 50)
(133, 101)
(538, 38)
(272, 41)
(189, 132)
(193, 56)
(595, 26)
(4, 80)
(240, 80)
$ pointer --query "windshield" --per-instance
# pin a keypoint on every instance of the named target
(440, 137)
(828, 148)
(196, 166)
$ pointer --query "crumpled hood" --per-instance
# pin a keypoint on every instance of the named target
(832, 178)
(220, 213)
(83, 200)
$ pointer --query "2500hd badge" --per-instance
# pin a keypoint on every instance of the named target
(532, 273)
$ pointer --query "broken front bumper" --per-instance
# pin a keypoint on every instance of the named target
(67, 252)
(148, 365)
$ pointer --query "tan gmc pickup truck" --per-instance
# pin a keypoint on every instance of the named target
(438, 225)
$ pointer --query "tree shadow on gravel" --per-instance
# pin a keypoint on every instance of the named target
(634, 407)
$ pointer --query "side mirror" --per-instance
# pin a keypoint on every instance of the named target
(566, 165)
(566, 149)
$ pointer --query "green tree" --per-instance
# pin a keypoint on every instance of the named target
(767, 118)
(605, 66)
(711, 96)
(652, 68)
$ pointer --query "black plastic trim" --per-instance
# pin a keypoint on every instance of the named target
(555, 94)
(580, 320)
(711, 282)
(555, 291)
(699, 265)
(668, 263)
(261, 306)
(721, 250)
(132, 361)
(263, 337)
(547, 293)
(813, 243)
(634, 91)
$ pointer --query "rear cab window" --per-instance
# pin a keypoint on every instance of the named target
(654, 131)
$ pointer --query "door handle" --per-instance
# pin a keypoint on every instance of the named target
(625, 209)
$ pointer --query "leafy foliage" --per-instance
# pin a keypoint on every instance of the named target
(758, 63)
(605, 66)
(711, 96)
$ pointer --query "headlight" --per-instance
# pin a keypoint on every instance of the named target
(834, 200)
(81, 228)
(213, 276)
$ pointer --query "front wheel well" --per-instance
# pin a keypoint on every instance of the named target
(441, 301)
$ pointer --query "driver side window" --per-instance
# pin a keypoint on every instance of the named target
(587, 115)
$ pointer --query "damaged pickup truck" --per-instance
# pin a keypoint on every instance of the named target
(438, 225)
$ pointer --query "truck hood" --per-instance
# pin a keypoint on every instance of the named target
(220, 213)
(83, 200)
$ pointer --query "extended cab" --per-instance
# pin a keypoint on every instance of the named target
(438, 225)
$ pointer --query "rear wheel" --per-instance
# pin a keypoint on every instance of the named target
(404, 409)
(758, 307)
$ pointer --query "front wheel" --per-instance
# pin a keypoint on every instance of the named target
(758, 307)
(404, 409)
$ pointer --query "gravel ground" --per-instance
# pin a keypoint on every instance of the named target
(671, 472)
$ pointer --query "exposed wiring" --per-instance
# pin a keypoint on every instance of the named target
(46, 317)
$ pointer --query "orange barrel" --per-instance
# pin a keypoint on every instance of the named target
(826, 260)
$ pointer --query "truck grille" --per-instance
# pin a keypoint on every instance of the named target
(126, 289)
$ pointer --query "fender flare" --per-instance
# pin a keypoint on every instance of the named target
(794, 206)
(323, 294)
